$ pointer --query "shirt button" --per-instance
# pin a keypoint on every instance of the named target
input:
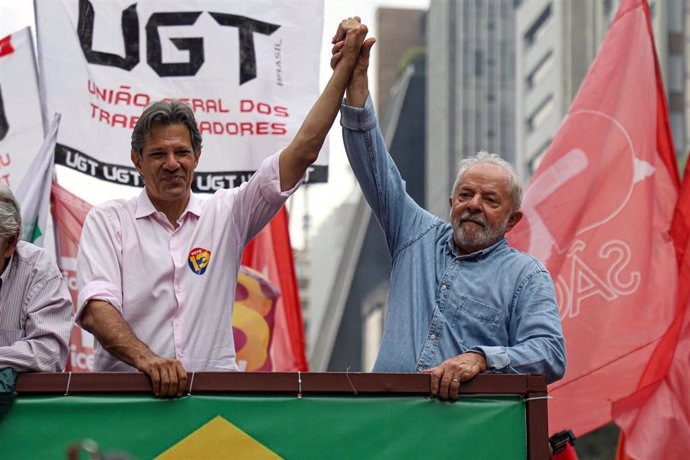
(443, 286)
(432, 336)
(420, 368)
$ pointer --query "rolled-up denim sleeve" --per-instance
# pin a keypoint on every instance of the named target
(384, 189)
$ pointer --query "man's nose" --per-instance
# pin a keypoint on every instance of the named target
(171, 162)
(475, 204)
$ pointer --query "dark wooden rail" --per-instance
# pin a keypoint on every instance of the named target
(530, 387)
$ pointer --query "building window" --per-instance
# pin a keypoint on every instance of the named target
(540, 114)
(537, 30)
(537, 157)
(540, 70)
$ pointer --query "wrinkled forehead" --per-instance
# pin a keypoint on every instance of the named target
(485, 175)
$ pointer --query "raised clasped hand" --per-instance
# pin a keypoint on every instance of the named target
(348, 40)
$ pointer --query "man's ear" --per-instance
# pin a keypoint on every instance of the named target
(135, 160)
(514, 219)
(11, 246)
(197, 154)
(450, 201)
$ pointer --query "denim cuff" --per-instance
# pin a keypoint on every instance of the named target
(496, 357)
(358, 118)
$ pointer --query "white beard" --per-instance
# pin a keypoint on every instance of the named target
(476, 235)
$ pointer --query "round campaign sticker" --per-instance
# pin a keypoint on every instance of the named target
(198, 260)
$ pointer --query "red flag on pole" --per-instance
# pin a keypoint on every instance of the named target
(656, 419)
(598, 212)
(69, 213)
(6, 46)
(270, 253)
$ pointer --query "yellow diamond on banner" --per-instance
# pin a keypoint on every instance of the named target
(218, 439)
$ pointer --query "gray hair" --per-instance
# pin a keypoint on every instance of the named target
(165, 113)
(482, 157)
(10, 216)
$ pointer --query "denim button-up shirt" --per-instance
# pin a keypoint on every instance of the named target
(497, 301)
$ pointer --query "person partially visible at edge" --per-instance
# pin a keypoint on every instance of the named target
(36, 313)
(157, 274)
(461, 300)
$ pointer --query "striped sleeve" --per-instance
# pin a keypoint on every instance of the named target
(37, 315)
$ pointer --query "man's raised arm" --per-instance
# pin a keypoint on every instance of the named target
(304, 148)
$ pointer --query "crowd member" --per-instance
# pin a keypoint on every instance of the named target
(36, 314)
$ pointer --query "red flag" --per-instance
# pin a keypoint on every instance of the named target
(270, 253)
(598, 212)
(568, 453)
(69, 213)
(656, 419)
(6, 46)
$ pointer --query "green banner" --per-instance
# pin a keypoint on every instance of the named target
(268, 427)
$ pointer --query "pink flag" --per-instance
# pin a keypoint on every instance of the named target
(69, 213)
(598, 212)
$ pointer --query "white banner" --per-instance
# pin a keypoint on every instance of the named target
(249, 69)
(21, 129)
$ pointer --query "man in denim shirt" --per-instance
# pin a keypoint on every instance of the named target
(461, 300)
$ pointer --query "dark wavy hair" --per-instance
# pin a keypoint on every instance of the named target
(165, 113)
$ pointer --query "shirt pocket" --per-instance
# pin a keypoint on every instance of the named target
(476, 323)
(9, 337)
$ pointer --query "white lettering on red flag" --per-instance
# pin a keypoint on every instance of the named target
(597, 213)
(655, 420)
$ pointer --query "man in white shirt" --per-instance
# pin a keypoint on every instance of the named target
(35, 306)
(157, 273)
